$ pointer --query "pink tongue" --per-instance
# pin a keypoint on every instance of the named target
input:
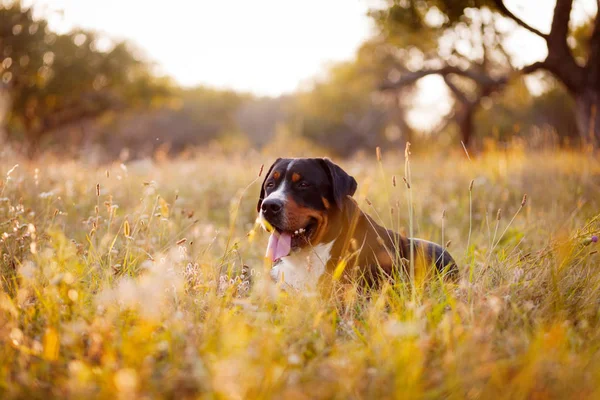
(279, 246)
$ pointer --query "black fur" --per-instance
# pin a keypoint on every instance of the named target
(343, 185)
(377, 251)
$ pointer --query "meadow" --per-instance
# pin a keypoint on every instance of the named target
(147, 280)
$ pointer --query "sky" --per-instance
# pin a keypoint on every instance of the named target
(268, 47)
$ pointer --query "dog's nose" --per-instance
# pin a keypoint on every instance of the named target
(271, 207)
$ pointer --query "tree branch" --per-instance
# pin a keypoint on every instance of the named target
(412, 77)
(528, 69)
(459, 94)
(479, 78)
(507, 13)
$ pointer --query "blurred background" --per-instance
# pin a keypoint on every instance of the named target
(127, 80)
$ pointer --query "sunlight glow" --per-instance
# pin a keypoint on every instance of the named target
(271, 47)
(267, 47)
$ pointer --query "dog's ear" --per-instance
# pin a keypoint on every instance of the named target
(343, 185)
(261, 197)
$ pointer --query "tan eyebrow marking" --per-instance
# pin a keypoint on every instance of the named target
(276, 175)
(296, 177)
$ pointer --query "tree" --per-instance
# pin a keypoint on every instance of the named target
(580, 75)
(343, 111)
(56, 79)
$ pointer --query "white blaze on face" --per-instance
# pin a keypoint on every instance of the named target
(279, 242)
(279, 194)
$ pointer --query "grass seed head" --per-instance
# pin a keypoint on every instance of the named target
(10, 171)
(126, 228)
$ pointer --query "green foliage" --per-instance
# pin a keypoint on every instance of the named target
(213, 106)
(342, 111)
(579, 41)
(466, 35)
(419, 23)
(515, 112)
(55, 79)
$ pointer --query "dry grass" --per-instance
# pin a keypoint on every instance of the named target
(129, 281)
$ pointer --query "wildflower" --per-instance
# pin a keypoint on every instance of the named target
(16, 336)
(45, 195)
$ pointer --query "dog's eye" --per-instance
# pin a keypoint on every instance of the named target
(303, 185)
(269, 184)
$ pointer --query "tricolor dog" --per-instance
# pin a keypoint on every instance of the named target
(316, 226)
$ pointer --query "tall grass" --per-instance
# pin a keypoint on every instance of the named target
(148, 280)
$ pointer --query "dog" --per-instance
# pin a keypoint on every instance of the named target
(318, 232)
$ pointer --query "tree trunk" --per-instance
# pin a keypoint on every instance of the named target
(32, 138)
(464, 120)
(588, 116)
(5, 103)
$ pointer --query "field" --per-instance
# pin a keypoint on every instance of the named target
(143, 280)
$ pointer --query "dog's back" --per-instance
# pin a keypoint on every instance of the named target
(376, 253)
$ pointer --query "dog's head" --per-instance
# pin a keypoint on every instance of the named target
(297, 200)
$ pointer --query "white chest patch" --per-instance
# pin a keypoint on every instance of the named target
(301, 270)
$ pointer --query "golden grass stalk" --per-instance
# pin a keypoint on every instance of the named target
(408, 181)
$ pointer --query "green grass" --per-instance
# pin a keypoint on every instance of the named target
(102, 296)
